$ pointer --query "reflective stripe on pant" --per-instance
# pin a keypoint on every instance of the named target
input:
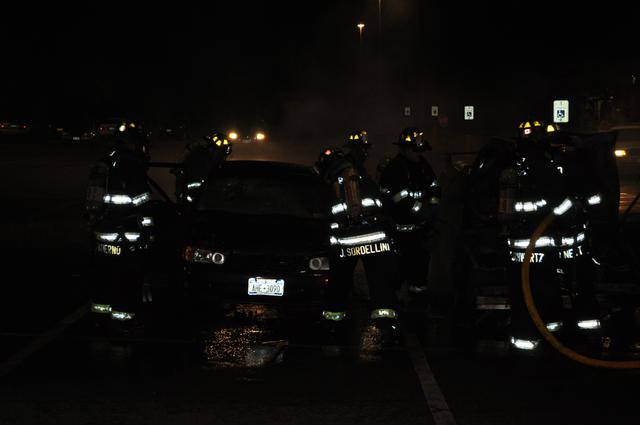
(334, 316)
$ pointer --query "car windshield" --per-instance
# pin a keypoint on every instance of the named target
(256, 195)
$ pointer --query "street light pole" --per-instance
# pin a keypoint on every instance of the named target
(378, 59)
(360, 28)
(379, 19)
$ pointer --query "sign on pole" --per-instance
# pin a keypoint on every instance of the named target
(560, 111)
(468, 113)
(434, 111)
(407, 111)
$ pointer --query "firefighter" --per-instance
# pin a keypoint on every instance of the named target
(533, 182)
(359, 230)
(411, 194)
(118, 181)
(121, 222)
(199, 158)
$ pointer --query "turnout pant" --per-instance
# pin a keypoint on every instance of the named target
(380, 270)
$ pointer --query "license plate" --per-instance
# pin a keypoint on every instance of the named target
(269, 287)
(109, 249)
(76, 137)
(365, 249)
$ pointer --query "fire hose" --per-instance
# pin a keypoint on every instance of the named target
(537, 320)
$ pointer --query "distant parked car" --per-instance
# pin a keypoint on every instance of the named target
(75, 132)
(14, 127)
(109, 126)
(627, 152)
(248, 132)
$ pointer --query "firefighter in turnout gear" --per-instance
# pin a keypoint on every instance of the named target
(118, 181)
(536, 177)
(359, 230)
(199, 158)
(121, 220)
(411, 194)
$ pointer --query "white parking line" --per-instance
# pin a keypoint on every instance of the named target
(430, 388)
(14, 361)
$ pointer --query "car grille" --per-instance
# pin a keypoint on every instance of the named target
(266, 263)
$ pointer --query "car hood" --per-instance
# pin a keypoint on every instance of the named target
(247, 232)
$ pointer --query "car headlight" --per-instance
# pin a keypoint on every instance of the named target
(620, 153)
(233, 135)
(260, 136)
(319, 263)
(201, 255)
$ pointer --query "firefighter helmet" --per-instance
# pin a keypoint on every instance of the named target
(413, 138)
(219, 143)
(331, 162)
(358, 138)
(535, 128)
(130, 136)
(328, 155)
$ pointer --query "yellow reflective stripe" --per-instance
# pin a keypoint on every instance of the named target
(384, 313)
(101, 308)
(335, 316)
(122, 315)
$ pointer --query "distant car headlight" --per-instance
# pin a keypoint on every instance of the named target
(620, 153)
(233, 135)
(260, 136)
(319, 263)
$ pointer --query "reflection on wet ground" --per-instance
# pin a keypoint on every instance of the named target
(370, 344)
(239, 339)
(242, 346)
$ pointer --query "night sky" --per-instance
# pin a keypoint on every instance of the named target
(268, 58)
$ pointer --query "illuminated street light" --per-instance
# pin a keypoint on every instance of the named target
(360, 28)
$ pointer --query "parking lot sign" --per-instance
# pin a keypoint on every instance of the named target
(468, 113)
(560, 111)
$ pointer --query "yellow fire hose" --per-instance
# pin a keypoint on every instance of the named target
(535, 316)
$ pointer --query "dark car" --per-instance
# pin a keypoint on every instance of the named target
(248, 131)
(258, 234)
(14, 127)
(75, 132)
(627, 153)
(109, 126)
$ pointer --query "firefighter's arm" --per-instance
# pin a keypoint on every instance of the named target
(394, 185)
